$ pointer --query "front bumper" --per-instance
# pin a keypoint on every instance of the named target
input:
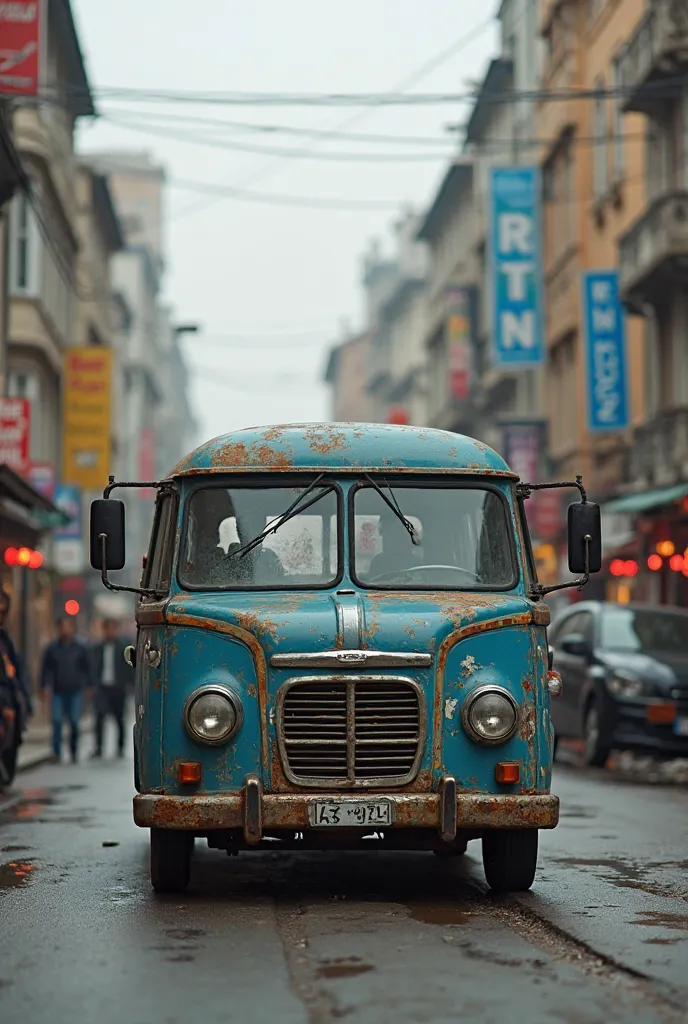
(254, 812)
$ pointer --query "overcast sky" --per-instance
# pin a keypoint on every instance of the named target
(272, 284)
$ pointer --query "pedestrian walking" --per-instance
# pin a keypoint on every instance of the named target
(112, 678)
(66, 674)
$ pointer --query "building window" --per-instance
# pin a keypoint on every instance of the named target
(24, 247)
(600, 148)
(618, 119)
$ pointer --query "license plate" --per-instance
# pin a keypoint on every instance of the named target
(350, 813)
(681, 726)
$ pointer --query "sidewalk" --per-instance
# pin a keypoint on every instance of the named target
(37, 746)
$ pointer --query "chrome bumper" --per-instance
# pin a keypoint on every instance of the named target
(255, 812)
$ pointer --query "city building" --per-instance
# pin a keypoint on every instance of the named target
(448, 230)
(348, 366)
(176, 428)
(395, 308)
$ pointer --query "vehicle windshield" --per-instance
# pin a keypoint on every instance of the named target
(638, 630)
(464, 533)
(301, 552)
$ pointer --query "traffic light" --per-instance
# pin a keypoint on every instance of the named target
(72, 607)
(25, 557)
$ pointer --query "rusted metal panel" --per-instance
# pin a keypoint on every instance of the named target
(343, 447)
(290, 810)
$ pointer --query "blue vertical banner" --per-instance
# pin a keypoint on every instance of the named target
(515, 266)
(68, 499)
(605, 346)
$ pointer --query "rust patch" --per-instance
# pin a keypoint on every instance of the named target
(150, 614)
(251, 691)
(325, 439)
(528, 724)
(257, 626)
(541, 614)
(237, 455)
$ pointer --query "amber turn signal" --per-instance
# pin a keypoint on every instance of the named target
(507, 772)
(189, 771)
(661, 714)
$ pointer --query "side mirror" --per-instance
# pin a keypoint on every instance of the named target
(130, 656)
(576, 644)
(585, 538)
(107, 521)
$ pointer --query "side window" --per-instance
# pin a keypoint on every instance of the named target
(159, 562)
(571, 624)
(585, 627)
(530, 558)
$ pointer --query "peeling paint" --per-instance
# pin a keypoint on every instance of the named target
(450, 707)
(468, 665)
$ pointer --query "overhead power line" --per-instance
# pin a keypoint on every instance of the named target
(663, 88)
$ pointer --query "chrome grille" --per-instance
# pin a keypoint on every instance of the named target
(351, 731)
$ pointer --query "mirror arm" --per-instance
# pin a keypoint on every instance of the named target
(113, 484)
(102, 537)
(537, 590)
(525, 490)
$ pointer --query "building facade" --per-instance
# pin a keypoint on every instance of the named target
(348, 366)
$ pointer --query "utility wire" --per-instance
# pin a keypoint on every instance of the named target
(663, 88)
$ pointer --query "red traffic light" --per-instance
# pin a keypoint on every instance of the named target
(36, 560)
(72, 607)
(676, 562)
(654, 563)
(11, 556)
(618, 567)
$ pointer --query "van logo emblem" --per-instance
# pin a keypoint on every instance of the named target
(357, 657)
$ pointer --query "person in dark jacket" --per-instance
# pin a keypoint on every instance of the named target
(15, 700)
(66, 673)
(112, 679)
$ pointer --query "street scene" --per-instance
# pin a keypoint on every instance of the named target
(344, 512)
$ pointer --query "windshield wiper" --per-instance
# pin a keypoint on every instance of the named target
(294, 509)
(394, 505)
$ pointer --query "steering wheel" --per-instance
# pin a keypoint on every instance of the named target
(419, 568)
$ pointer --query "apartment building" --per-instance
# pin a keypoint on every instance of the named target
(346, 372)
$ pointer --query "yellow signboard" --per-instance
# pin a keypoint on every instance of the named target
(86, 416)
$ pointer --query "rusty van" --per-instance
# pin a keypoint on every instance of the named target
(342, 644)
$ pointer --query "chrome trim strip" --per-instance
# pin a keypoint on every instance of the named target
(350, 783)
(348, 622)
(351, 658)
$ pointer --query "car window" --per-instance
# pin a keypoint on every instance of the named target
(579, 622)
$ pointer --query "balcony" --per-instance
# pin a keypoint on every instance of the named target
(658, 50)
(659, 453)
(654, 251)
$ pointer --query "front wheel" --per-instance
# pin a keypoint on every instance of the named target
(510, 858)
(170, 859)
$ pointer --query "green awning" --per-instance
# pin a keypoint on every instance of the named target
(647, 499)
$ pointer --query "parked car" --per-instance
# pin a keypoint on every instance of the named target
(625, 675)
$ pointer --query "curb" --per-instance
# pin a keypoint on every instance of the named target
(34, 760)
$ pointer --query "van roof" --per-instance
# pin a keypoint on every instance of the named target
(343, 447)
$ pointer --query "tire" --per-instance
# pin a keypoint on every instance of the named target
(449, 850)
(595, 750)
(510, 858)
(170, 859)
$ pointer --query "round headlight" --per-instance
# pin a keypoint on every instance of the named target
(490, 715)
(212, 714)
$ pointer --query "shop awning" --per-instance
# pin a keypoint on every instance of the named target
(646, 500)
(15, 489)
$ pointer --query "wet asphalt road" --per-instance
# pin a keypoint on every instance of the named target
(310, 938)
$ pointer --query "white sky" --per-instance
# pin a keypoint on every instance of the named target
(271, 284)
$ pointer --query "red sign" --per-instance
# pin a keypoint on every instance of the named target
(545, 514)
(15, 430)
(41, 476)
(20, 46)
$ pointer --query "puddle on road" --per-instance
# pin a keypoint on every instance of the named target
(629, 874)
(658, 919)
(440, 914)
(351, 967)
(15, 873)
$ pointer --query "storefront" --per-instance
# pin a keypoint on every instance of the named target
(649, 562)
(26, 518)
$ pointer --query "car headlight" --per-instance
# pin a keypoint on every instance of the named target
(625, 684)
(490, 715)
(212, 714)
